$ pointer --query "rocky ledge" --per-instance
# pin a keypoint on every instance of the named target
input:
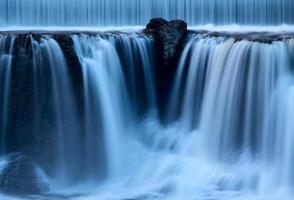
(261, 36)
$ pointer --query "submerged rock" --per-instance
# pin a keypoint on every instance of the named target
(20, 175)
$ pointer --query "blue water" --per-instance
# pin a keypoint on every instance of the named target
(96, 131)
(138, 12)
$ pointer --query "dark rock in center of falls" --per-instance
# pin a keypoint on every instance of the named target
(155, 23)
(169, 38)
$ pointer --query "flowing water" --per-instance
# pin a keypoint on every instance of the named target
(5, 67)
(229, 123)
(86, 108)
(138, 12)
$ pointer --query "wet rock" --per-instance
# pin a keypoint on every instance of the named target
(20, 175)
(171, 35)
(168, 39)
(155, 24)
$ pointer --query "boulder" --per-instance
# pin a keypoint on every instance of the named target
(172, 35)
(155, 24)
(168, 38)
(20, 175)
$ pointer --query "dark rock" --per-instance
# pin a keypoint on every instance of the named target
(22, 176)
(156, 23)
(171, 36)
(170, 40)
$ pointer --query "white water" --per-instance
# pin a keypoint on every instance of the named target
(138, 12)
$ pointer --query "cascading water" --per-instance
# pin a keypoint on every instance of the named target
(90, 115)
(6, 45)
(230, 113)
(118, 87)
(236, 103)
(108, 95)
(39, 105)
(138, 12)
(64, 111)
(230, 134)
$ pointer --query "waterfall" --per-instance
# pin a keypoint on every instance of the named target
(108, 95)
(230, 129)
(105, 101)
(6, 46)
(34, 111)
(64, 112)
(235, 102)
(85, 108)
(44, 116)
(94, 107)
(137, 12)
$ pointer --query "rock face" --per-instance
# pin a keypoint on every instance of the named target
(171, 35)
(20, 175)
(168, 38)
(155, 24)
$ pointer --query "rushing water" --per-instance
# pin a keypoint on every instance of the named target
(228, 131)
(138, 12)
(111, 101)
(43, 117)
(6, 44)
(86, 109)
(237, 99)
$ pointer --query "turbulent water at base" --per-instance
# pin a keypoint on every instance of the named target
(138, 12)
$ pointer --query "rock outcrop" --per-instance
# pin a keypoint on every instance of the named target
(20, 175)
(168, 39)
